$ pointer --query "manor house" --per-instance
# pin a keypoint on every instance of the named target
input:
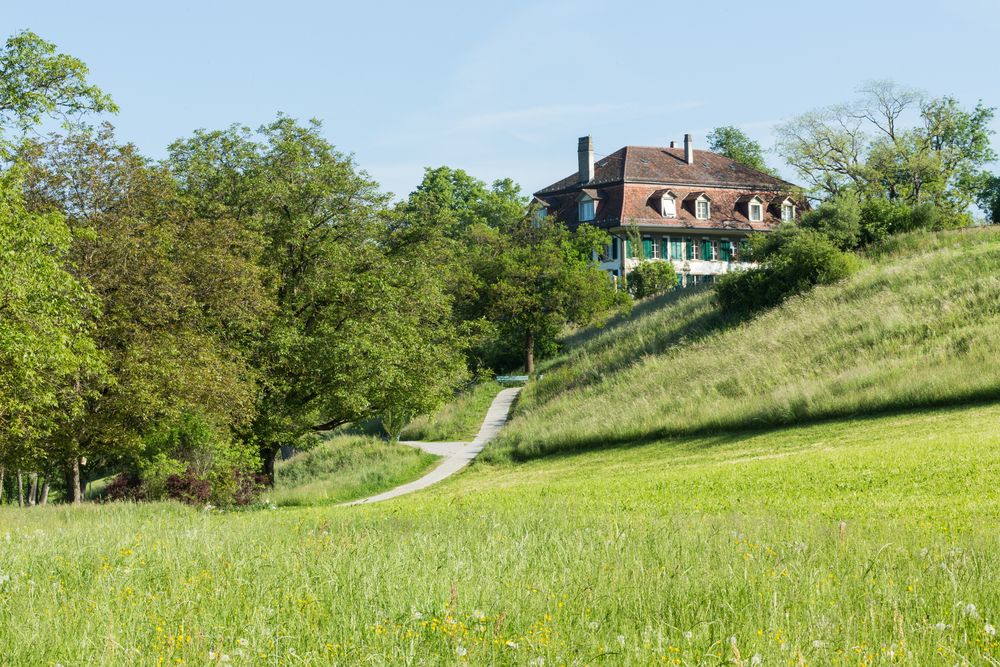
(690, 207)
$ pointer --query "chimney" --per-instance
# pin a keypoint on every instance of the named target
(585, 153)
(688, 149)
(673, 144)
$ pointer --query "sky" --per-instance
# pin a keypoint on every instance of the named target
(505, 89)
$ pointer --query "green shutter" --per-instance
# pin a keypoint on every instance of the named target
(675, 249)
(664, 248)
(725, 251)
(706, 250)
(647, 248)
(690, 248)
(628, 248)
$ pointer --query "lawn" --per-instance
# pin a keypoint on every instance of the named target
(866, 541)
(346, 467)
(457, 421)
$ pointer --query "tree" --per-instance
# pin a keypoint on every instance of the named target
(989, 198)
(736, 145)
(866, 149)
(352, 323)
(36, 81)
(542, 277)
(45, 333)
(180, 296)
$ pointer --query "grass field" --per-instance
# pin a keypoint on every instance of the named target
(835, 500)
(457, 421)
(850, 542)
(345, 467)
(918, 326)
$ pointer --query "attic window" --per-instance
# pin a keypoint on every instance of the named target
(702, 209)
(586, 209)
(756, 211)
(788, 211)
(668, 205)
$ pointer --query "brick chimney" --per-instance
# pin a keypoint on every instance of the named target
(585, 153)
(688, 149)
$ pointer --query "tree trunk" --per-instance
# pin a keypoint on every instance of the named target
(529, 362)
(3, 472)
(268, 456)
(74, 481)
(20, 489)
(32, 488)
(45, 492)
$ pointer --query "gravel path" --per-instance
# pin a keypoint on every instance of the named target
(456, 455)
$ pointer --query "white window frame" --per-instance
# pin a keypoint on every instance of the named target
(592, 209)
(697, 208)
(664, 201)
(758, 208)
(787, 212)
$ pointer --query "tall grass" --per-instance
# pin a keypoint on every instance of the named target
(919, 325)
(458, 420)
(343, 468)
(870, 541)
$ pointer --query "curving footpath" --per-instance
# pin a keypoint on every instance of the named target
(456, 455)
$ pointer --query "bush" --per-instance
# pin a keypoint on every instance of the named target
(651, 278)
(191, 460)
(792, 262)
(838, 219)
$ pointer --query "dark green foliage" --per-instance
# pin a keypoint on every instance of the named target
(989, 198)
(736, 145)
(838, 219)
(791, 263)
(651, 278)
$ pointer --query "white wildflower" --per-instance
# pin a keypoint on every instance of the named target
(461, 651)
(417, 615)
(4, 578)
(971, 611)
(621, 639)
(537, 662)
(756, 660)
(242, 642)
(990, 630)
(211, 655)
(688, 635)
(818, 643)
(940, 626)
(593, 625)
(478, 615)
(224, 658)
(511, 644)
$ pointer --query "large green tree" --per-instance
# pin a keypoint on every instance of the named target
(356, 319)
(892, 143)
(736, 145)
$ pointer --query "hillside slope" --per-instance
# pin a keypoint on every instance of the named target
(918, 326)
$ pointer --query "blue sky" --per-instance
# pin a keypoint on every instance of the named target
(505, 89)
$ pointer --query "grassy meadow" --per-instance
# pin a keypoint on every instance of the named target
(918, 326)
(346, 467)
(869, 541)
(817, 486)
(458, 420)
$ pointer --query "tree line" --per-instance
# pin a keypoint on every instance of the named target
(175, 323)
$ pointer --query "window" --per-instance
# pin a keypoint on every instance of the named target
(676, 249)
(614, 248)
(648, 248)
(668, 206)
(540, 214)
(692, 249)
(726, 250)
(756, 212)
(586, 210)
(787, 211)
(664, 247)
(702, 211)
(706, 250)
(744, 249)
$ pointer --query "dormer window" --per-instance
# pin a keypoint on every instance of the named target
(702, 209)
(756, 211)
(784, 207)
(700, 204)
(752, 206)
(668, 203)
(587, 205)
(788, 211)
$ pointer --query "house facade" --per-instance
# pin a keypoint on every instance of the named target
(690, 207)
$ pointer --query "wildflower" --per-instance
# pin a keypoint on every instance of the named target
(242, 642)
(211, 655)
(511, 644)
(4, 578)
(224, 658)
(970, 610)
(818, 643)
(537, 662)
(940, 626)
(462, 651)
(688, 635)
(756, 660)
(478, 615)
(593, 625)
(417, 615)
(990, 630)
(621, 639)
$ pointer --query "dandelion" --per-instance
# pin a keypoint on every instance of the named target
(940, 626)
(970, 610)
(461, 651)
(688, 635)
(417, 615)
(990, 630)
(756, 660)
(818, 643)
(621, 639)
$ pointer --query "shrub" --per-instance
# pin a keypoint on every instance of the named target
(651, 278)
(192, 460)
(794, 262)
(838, 219)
